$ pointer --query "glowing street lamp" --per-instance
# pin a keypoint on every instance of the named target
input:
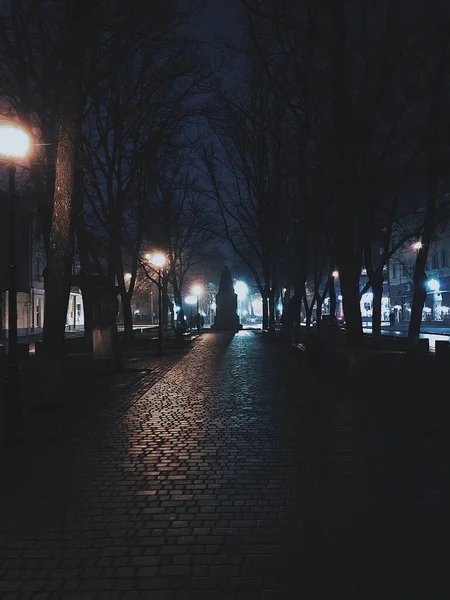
(158, 260)
(335, 274)
(241, 290)
(417, 245)
(433, 285)
(14, 145)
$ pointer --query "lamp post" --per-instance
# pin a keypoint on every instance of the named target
(14, 145)
(158, 260)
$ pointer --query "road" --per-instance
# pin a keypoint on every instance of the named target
(432, 334)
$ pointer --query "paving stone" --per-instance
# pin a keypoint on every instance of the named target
(221, 473)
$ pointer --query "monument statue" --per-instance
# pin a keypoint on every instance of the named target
(226, 304)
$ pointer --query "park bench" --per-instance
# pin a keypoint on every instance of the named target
(187, 337)
(184, 338)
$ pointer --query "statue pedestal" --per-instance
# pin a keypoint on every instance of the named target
(226, 311)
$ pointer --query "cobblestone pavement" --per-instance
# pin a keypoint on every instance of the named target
(223, 480)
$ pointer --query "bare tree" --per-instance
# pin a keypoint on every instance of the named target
(245, 165)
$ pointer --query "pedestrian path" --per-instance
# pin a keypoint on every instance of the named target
(231, 477)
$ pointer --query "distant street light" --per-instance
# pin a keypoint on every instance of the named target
(417, 245)
(433, 285)
(158, 260)
(241, 290)
(14, 145)
(335, 274)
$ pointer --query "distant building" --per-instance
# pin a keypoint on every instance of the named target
(401, 271)
(30, 267)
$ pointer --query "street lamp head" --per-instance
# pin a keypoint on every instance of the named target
(335, 274)
(417, 246)
(157, 260)
(14, 142)
(197, 289)
(433, 285)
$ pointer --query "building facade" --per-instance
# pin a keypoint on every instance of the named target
(30, 266)
(401, 286)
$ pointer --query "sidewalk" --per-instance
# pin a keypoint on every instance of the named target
(237, 475)
(433, 327)
(86, 389)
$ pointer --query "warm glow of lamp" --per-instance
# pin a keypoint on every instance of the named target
(197, 289)
(14, 142)
(158, 259)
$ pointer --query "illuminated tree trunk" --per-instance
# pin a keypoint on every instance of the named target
(59, 265)
(61, 246)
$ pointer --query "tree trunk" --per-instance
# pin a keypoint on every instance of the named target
(420, 278)
(179, 302)
(127, 315)
(308, 311)
(332, 291)
(419, 298)
(61, 248)
(352, 309)
(85, 269)
(319, 305)
(171, 308)
(86, 293)
(291, 315)
(59, 265)
(265, 310)
(165, 303)
(377, 290)
(271, 316)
